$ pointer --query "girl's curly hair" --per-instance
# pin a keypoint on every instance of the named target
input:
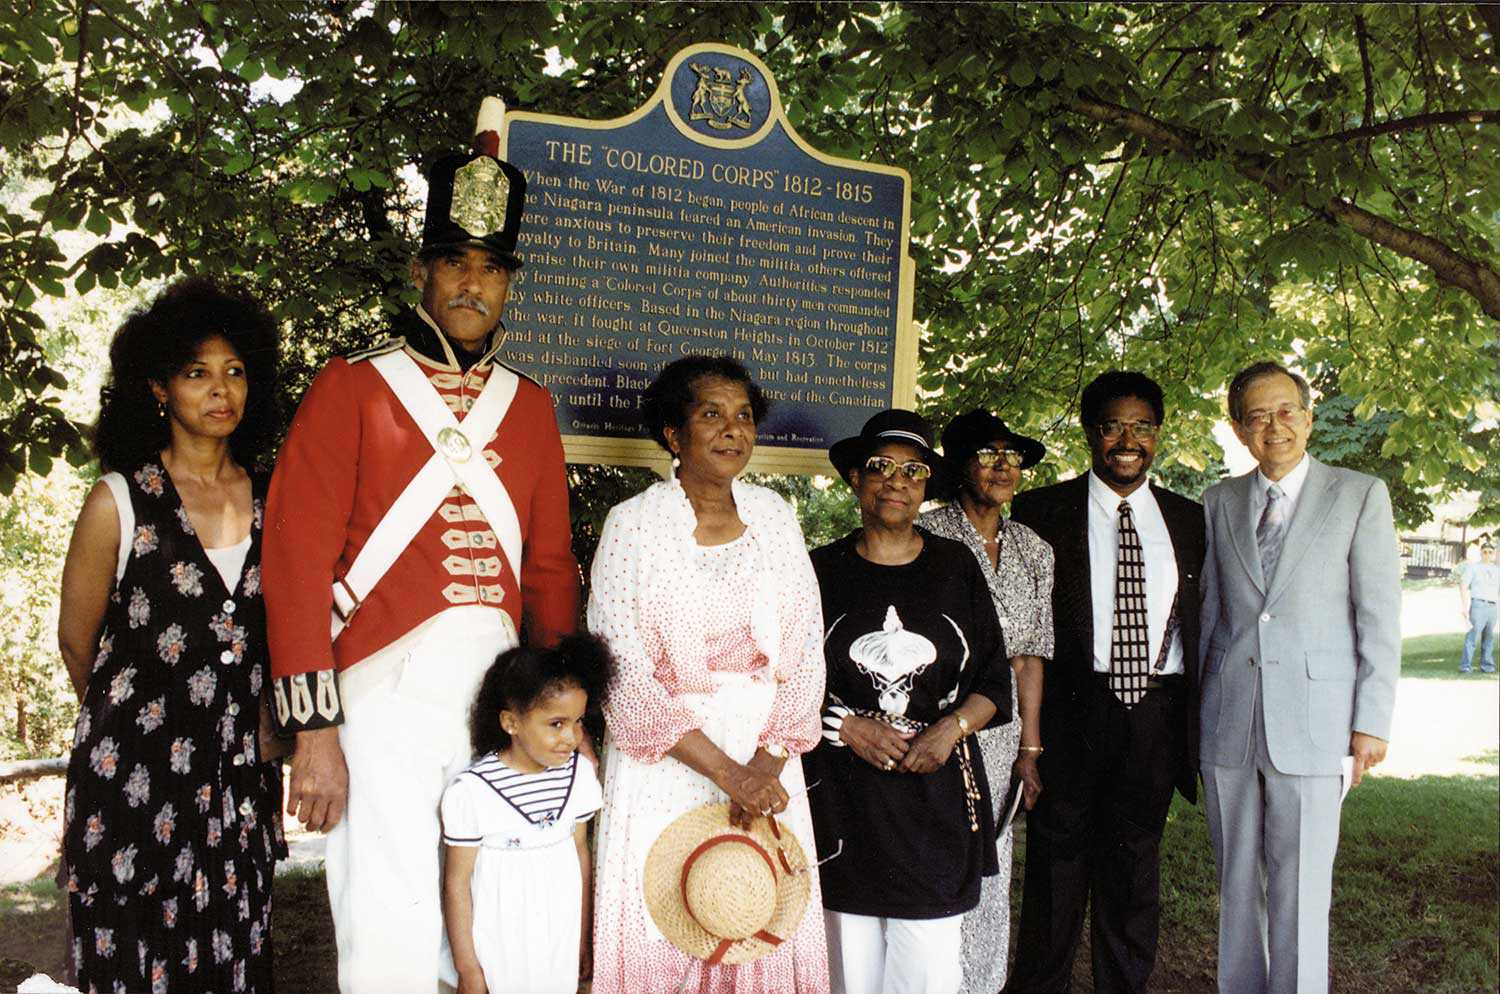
(520, 678)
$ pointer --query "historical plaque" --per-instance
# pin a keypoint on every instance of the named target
(702, 223)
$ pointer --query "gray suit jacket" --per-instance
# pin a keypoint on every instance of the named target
(1325, 633)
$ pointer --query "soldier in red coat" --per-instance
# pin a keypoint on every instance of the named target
(417, 526)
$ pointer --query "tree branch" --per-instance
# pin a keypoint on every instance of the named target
(1476, 278)
(1361, 35)
(1413, 123)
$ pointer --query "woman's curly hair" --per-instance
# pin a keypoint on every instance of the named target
(520, 678)
(155, 343)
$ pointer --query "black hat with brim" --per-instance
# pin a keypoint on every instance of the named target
(474, 200)
(968, 433)
(894, 425)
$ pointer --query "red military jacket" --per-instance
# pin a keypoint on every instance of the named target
(351, 450)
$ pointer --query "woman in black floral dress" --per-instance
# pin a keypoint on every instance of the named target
(172, 820)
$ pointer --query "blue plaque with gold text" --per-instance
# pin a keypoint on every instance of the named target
(701, 223)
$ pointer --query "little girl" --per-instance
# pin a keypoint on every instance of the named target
(516, 880)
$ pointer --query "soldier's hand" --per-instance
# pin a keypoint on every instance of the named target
(319, 788)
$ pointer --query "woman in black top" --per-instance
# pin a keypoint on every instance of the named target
(916, 663)
(172, 815)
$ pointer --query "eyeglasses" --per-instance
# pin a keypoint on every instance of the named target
(1111, 430)
(990, 458)
(887, 467)
(1287, 414)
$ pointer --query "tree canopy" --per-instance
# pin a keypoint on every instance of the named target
(1176, 188)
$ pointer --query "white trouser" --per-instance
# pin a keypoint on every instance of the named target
(405, 735)
(868, 955)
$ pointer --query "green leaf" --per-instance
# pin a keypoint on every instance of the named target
(138, 97)
(39, 460)
(234, 55)
(1021, 72)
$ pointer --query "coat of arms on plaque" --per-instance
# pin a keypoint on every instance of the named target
(719, 99)
(480, 193)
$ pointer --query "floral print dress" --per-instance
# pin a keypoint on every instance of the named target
(172, 822)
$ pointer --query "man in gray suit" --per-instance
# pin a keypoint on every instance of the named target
(1301, 648)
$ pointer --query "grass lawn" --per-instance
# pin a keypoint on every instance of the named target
(1416, 891)
(1436, 657)
(1416, 894)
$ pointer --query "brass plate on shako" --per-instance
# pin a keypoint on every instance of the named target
(480, 192)
(454, 445)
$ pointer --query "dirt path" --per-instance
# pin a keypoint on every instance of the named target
(1444, 728)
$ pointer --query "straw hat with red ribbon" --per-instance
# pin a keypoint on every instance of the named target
(722, 894)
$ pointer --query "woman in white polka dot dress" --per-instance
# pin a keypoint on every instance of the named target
(703, 589)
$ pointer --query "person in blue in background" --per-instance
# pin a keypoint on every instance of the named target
(1478, 590)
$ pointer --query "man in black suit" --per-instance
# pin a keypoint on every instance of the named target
(1119, 706)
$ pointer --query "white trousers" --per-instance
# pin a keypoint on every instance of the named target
(405, 735)
(868, 955)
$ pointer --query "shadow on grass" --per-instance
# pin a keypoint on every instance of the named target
(33, 931)
(1436, 657)
(1416, 893)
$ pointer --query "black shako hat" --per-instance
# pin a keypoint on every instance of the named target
(968, 433)
(474, 198)
(894, 425)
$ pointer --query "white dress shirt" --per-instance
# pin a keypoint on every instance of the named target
(1291, 486)
(1161, 570)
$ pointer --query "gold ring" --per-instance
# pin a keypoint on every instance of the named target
(890, 764)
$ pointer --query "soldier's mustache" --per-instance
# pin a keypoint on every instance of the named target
(472, 303)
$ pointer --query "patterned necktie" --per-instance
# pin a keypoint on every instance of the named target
(1271, 531)
(1129, 643)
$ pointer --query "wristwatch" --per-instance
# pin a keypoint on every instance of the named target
(776, 751)
(963, 725)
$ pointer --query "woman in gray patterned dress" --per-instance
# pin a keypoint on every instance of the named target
(988, 458)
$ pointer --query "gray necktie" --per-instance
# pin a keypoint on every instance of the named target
(1271, 531)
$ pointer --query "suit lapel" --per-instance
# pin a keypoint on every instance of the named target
(1237, 508)
(1313, 505)
(1178, 530)
(1072, 554)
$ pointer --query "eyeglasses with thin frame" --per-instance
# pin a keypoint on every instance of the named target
(1287, 414)
(989, 457)
(888, 467)
(1111, 430)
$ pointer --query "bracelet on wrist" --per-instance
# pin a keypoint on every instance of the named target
(1030, 748)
